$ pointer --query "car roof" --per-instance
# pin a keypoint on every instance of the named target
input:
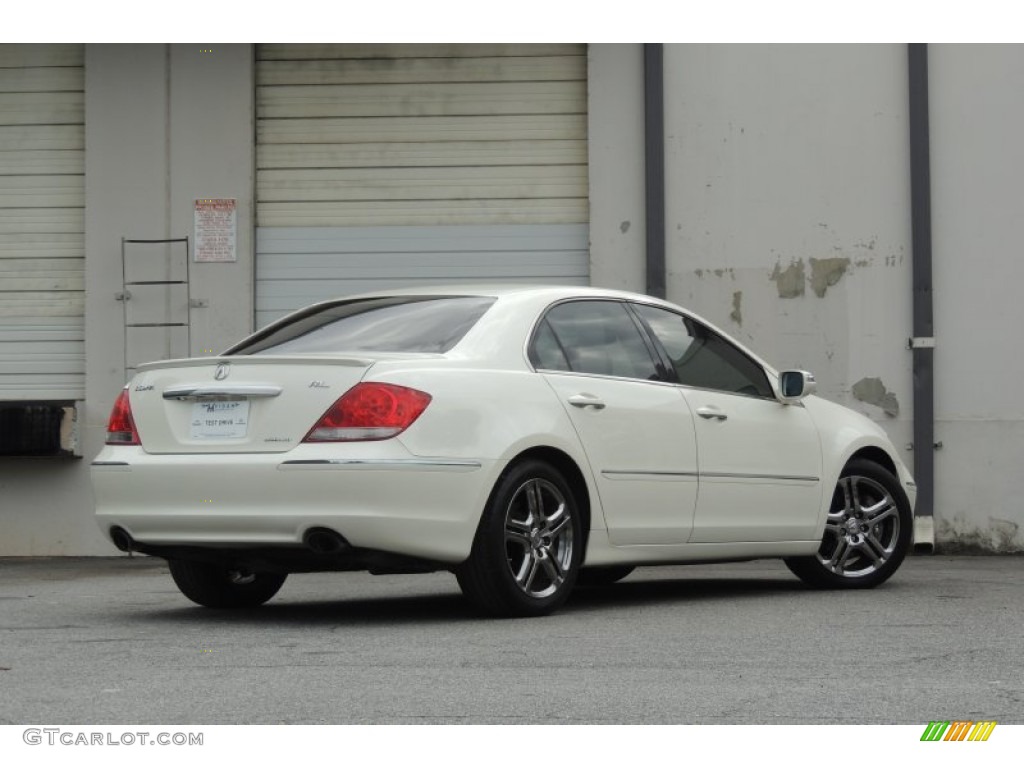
(499, 290)
(534, 296)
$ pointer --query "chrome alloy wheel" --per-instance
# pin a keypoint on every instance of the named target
(862, 531)
(539, 538)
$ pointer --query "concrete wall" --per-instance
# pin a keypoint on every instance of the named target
(788, 208)
(165, 125)
(615, 133)
(977, 121)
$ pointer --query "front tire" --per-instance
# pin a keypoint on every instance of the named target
(868, 531)
(215, 586)
(528, 547)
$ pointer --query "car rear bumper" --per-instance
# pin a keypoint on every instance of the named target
(422, 508)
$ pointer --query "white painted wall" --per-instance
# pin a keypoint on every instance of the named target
(788, 209)
(164, 125)
(977, 125)
(615, 126)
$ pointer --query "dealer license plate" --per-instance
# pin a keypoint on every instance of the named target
(219, 419)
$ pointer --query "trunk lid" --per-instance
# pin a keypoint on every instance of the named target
(243, 404)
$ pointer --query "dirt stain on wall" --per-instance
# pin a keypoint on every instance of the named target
(957, 536)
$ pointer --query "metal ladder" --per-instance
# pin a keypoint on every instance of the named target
(156, 298)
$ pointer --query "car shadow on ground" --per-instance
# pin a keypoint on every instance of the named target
(654, 590)
(448, 608)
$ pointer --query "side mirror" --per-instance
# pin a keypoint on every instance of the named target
(794, 386)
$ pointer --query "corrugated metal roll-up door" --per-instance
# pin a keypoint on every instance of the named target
(42, 241)
(380, 165)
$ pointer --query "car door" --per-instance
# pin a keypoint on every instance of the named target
(636, 429)
(759, 460)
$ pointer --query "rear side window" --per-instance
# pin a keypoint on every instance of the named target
(381, 324)
(596, 337)
(546, 352)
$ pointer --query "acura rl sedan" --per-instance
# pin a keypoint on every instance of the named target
(526, 439)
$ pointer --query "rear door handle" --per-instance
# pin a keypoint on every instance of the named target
(585, 400)
(711, 412)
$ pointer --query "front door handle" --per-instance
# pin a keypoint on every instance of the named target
(586, 400)
(711, 412)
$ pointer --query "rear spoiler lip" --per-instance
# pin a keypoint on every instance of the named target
(349, 361)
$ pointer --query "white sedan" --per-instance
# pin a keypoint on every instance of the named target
(526, 439)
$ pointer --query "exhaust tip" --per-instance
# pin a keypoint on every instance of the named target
(324, 541)
(122, 539)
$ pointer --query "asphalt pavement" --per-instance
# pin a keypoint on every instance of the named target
(111, 641)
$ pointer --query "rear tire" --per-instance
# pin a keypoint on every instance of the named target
(868, 531)
(215, 586)
(528, 547)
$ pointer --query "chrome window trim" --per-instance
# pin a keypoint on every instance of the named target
(607, 376)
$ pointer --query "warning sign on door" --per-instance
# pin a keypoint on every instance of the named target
(216, 229)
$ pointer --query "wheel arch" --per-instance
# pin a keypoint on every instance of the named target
(874, 454)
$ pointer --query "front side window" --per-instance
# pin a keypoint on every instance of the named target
(380, 324)
(702, 358)
(597, 337)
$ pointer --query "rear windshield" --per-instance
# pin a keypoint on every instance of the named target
(382, 324)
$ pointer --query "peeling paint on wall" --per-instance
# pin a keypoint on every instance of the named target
(737, 313)
(789, 281)
(827, 272)
(873, 392)
(729, 271)
(957, 536)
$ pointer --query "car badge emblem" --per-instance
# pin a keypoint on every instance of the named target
(222, 371)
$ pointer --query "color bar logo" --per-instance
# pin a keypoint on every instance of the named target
(958, 730)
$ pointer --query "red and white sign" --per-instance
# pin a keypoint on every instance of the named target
(216, 229)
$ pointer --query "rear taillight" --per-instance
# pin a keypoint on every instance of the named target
(121, 426)
(369, 411)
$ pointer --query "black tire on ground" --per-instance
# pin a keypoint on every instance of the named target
(528, 546)
(604, 575)
(215, 586)
(868, 531)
